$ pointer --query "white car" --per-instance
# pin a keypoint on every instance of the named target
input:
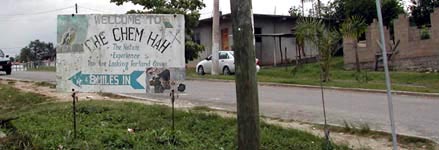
(5, 63)
(226, 64)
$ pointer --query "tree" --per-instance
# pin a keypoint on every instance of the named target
(420, 11)
(25, 55)
(366, 9)
(190, 10)
(295, 11)
(37, 51)
(352, 29)
(325, 39)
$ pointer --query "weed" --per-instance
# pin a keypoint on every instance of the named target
(365, 131)
(364, 128)
(11, 82)
(45, 84)
(112, 95)
(347, 126)
(201, 108)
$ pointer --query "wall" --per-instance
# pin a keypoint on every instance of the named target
(414, 53)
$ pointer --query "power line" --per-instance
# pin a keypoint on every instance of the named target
(37, 13)
(3, 48)
(92, 9)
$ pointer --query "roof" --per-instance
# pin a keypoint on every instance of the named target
(256, 16)
(275, 35)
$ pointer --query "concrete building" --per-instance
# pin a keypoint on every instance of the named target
(268, 30)
(413, 52)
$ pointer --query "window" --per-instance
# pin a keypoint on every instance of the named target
(258, 31)
(223, 55)
(1, 54)
(196, 38)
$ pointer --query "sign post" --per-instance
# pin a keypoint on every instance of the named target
(173, 117)
(75, 98)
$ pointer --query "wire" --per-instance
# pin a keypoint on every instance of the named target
(3, 48)
(92, 9)
(37, 13)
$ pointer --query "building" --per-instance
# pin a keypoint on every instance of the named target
(274, 40)
(414, 51)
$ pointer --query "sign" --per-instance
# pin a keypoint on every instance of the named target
(120, 53)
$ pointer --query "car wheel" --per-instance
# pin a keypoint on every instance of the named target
(8, 71)
(226, 71)
(200, 70)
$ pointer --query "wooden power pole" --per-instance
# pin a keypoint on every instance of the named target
(215, 37)
(246, 84)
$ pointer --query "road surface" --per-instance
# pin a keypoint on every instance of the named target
(414, 115)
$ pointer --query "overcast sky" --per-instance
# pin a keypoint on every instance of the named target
(22, 21)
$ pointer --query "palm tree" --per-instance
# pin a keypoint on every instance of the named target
(352, 29)
(325, 39)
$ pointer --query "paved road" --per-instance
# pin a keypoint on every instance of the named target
(415, 115)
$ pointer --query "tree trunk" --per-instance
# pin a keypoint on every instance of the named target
(246, 85)
(357, 60)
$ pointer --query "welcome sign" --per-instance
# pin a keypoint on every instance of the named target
(120, 53)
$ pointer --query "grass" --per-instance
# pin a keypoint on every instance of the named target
(308, 74)
(363, 129)
(43, 68)
(45, 84)
(12, 99)
(111, 95)
(201, 108)
(40, 124)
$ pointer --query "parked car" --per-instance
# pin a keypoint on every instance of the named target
(226, 64)
(5, 63)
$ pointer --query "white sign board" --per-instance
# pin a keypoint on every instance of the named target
(119, 53)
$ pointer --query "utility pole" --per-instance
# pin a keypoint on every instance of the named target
(246, 84)
(76, 8)
(215, 37)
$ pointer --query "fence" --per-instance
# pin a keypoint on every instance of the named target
(33, 65)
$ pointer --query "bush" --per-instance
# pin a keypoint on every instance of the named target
(425, 33)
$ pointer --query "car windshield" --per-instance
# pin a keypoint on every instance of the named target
(2, 54)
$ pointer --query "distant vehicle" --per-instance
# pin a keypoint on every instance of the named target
(226, 64)
(5, 63)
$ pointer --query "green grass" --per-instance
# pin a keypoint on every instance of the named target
(363, 129)
(104, 124)
(308, 74)
(44, 69)
(12, 99)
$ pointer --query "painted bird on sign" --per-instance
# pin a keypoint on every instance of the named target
(68, 37)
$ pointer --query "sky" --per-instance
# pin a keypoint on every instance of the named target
(22, 21)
